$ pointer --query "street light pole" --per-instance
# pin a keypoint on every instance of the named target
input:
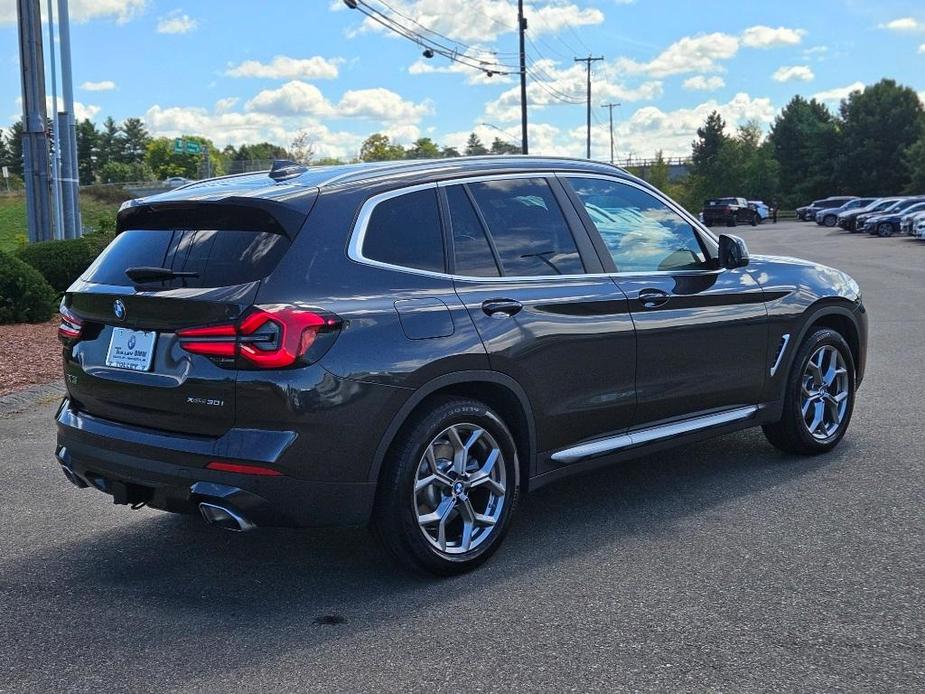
(588, 62)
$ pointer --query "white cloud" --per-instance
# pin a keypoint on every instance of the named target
(838, 93)
(81, 111)
(176, 22)
(646, 131)
(226, 104)
(789, 73)
(284, 67)
(700, 53)
(104, 86)
(904, 24)
(237, 128)
(292, 98)
(380, 104)
(85, 10)
(768, 37)
(922, 48)
(484, 20)
(704, 84)
(302, 98)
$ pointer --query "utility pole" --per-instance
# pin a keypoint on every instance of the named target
(522, 27)
(58, 139)
(34, 120)
(68, 143)
(588, 62)
(610, 108)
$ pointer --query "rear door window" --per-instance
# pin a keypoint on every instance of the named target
(405, 231)
(220, 258)
(526, 224)
(472, 252)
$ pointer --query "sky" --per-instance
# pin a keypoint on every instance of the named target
(244, 72)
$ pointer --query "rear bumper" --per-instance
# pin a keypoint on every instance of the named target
(168, 472)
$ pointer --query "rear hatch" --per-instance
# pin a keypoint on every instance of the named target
(126, 361)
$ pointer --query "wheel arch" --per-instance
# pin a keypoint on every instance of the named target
(500, 392)
(837, 315)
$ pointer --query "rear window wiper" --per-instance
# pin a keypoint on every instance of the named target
(146, 273)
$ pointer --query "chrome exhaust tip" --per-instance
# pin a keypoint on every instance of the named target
(223, 517)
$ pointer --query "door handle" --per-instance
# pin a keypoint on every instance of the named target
(653, 298)
(497, 308)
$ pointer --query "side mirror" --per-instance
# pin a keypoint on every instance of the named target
(733, 252)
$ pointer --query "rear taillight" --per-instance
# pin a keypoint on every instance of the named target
(269, 337)
(70, 326)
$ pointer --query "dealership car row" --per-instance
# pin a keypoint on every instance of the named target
(886, 216)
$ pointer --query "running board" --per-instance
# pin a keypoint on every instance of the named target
(663, 431)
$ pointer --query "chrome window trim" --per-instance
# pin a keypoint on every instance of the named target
(573, 454)
(358, 234)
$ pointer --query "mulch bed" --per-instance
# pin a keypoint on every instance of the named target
(29, 354)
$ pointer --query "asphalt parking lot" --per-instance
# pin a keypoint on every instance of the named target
(725, 566)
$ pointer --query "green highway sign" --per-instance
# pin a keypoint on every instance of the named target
(181, 146)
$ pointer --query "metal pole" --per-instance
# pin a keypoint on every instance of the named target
(610, 107)
(522, 27)
(34, 119)
(72, 219)
(588, 62)
(56, 150)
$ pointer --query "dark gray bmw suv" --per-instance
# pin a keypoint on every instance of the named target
(414, 344)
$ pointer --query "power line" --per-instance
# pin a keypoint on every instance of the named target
(432, 46)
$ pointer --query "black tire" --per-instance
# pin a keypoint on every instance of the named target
(885, 229)
(731, 222)
(829, 220)
(755, 219)
(395, 514)
(791, 434)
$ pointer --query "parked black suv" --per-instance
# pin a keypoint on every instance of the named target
(416, 344)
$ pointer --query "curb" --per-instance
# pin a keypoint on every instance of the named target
(25, 398)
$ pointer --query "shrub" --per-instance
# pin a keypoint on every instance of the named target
(62, 262)
(25, 296)
(112, 194)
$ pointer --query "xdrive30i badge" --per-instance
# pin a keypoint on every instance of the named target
(209, 402)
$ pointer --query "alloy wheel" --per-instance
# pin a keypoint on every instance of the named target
(886, 229)
(460, 488)
(825, 392)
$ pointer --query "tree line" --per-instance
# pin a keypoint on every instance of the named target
(873, 144)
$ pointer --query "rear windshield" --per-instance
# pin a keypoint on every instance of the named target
(220, 258)
(722, 201)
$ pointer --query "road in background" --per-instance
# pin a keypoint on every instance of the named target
(726, 565)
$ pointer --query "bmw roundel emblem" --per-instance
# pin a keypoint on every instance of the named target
(118, 308)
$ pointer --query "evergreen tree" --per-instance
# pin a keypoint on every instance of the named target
(134, 141)
(805, 141)
(14, 140)
(87, 151)
(880, 124)
(499, 146)
(474, 146)
(110, 143)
